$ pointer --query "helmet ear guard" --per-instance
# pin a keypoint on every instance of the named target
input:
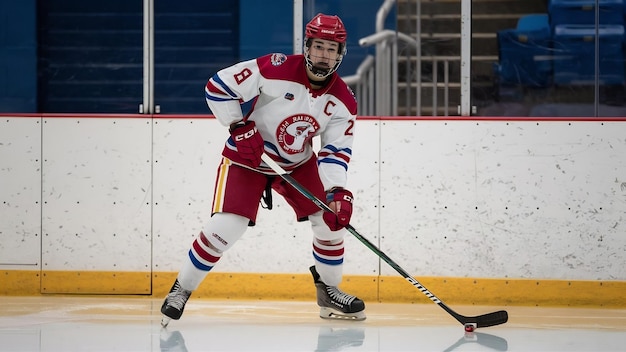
(325, 27)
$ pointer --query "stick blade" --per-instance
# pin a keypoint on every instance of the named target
(490, 319)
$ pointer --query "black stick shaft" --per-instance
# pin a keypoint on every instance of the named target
(490, 319)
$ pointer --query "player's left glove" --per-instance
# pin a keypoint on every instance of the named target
(339, 200)
(248, 141)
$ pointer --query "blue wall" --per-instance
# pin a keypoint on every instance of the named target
(23, 73)
(18, 56)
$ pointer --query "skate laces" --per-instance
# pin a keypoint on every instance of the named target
(178, 296)
(339, 296)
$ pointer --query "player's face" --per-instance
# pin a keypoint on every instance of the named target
(323, 54)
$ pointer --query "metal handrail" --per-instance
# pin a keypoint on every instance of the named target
(377, 87)
(372, 99)
(386, 68)
(364, 83)
(382, 94)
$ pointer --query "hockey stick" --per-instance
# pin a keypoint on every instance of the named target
(480, 321)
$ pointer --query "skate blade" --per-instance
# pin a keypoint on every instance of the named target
(329, 313)
(165, 321)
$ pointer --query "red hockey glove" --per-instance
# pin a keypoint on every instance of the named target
(339, 200)
(248, 141)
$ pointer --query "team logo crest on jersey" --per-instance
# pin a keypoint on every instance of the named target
(278, 59)
(295, 132)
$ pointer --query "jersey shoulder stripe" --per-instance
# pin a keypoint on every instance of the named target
(283, 67)
(217, 85)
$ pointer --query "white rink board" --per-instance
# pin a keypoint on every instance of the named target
(185, 157)
(20, 192)
(96, 194)
(505, 199)
(518, 199)
(363, 176)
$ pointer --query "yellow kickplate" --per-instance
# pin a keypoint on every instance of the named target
(298, 287)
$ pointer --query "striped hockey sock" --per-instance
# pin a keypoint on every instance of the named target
(202, 256)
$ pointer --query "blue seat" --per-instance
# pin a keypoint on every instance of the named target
(524, 53)
(562, 12)
(574, 54)
(536, 24)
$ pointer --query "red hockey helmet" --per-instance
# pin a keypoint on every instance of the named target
(326, 27)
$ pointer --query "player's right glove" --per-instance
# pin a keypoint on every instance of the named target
(340, 201)
(248, 141)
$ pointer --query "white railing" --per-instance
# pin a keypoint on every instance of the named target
(386, 67)
(377, 87)
(363, 83)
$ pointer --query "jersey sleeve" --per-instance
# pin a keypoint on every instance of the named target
(229, 87)
(336, 150)
(337, 138)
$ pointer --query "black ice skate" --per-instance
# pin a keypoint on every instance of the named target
(174, 303)
(336, 304)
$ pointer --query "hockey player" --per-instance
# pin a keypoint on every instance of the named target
(294, 98)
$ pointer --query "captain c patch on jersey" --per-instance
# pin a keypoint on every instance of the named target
(295, 132)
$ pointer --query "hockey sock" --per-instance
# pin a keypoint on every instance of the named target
(202, 258)
(329, 261)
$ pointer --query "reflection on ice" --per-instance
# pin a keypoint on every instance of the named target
(493, 342)
(54, 323)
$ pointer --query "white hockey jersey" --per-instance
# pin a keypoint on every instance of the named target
(288, 113)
